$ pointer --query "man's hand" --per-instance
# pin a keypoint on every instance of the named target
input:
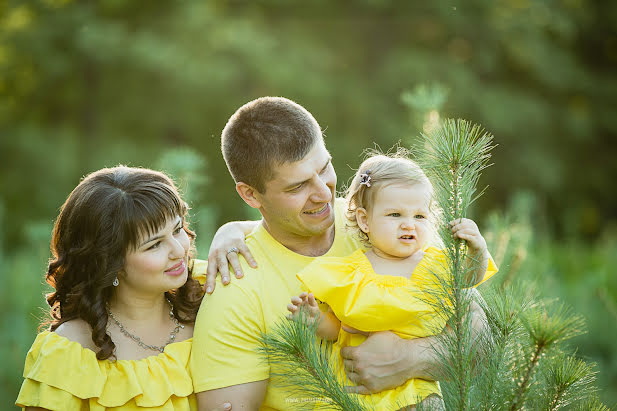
(247, 397)
(380, 363)
(227, 244)
(222, 407)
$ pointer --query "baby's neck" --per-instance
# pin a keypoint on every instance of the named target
(400, 267)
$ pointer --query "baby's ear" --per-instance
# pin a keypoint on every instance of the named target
(362, 219)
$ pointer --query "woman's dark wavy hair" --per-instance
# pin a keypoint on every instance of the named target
(103, 218)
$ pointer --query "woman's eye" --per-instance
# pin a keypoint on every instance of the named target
(155, 245)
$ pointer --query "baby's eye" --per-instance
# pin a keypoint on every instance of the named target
(419, 216)
(394, 215)
(177, 230)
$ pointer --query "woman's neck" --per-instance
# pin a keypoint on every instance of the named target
(139, 308)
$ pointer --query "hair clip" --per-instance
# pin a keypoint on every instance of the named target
(365, 178)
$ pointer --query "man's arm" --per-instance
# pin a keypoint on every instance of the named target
(247, 397)
(385, 361)
(225, 364)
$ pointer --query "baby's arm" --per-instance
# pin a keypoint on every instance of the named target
(478, 256)
(328, 325)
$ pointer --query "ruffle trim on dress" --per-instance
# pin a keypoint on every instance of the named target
(63, 364)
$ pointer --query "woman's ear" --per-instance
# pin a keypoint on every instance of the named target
(248, 194)
(362, 219)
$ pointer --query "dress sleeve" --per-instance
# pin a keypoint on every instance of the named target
(58, 374)
(490, 270)
(226, 336)
(327, 277)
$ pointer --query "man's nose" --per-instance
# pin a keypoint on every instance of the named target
(323, 191)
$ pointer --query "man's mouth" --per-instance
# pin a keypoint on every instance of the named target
(318, 211)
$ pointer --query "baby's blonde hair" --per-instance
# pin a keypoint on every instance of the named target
(377, 171)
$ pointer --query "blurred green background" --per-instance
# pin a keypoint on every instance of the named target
(88, 84)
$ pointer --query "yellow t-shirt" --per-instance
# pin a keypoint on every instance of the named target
(231, 320)
(371, 302)
(62, 375)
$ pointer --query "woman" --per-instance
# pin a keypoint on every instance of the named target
(124, 304)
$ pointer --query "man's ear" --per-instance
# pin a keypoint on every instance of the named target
(248, 194)
(362, 219)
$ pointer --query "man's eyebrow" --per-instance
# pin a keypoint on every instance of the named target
(178, 221)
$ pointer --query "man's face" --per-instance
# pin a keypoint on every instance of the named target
(298, 201)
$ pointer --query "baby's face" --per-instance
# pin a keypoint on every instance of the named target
(398, 221)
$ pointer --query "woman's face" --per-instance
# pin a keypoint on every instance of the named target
(159, 262)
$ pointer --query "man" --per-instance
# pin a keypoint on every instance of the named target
(274, 150)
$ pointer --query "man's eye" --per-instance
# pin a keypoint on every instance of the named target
(298, 187)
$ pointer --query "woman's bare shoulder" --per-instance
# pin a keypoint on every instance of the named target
(77, 330)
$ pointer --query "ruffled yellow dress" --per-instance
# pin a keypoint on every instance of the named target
(371, 302)
(62, 375)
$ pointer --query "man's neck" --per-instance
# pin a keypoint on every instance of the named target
(310, 246)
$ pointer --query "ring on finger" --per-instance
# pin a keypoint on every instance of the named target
(232, 250)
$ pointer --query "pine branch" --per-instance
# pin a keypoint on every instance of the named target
(569, 379)
(453, 158)
(301, 363)
(546, 325)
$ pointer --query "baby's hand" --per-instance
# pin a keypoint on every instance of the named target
(467, 230)
(304, 300)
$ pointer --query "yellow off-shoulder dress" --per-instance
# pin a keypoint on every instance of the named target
(371, 302)
(62, 375)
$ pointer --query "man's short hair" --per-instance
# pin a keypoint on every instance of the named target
(264, 133)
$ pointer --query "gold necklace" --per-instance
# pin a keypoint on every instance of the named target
(172, 335)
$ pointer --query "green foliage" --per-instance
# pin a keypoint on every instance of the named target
(453, 156)
(90, 84)
(302, 363)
